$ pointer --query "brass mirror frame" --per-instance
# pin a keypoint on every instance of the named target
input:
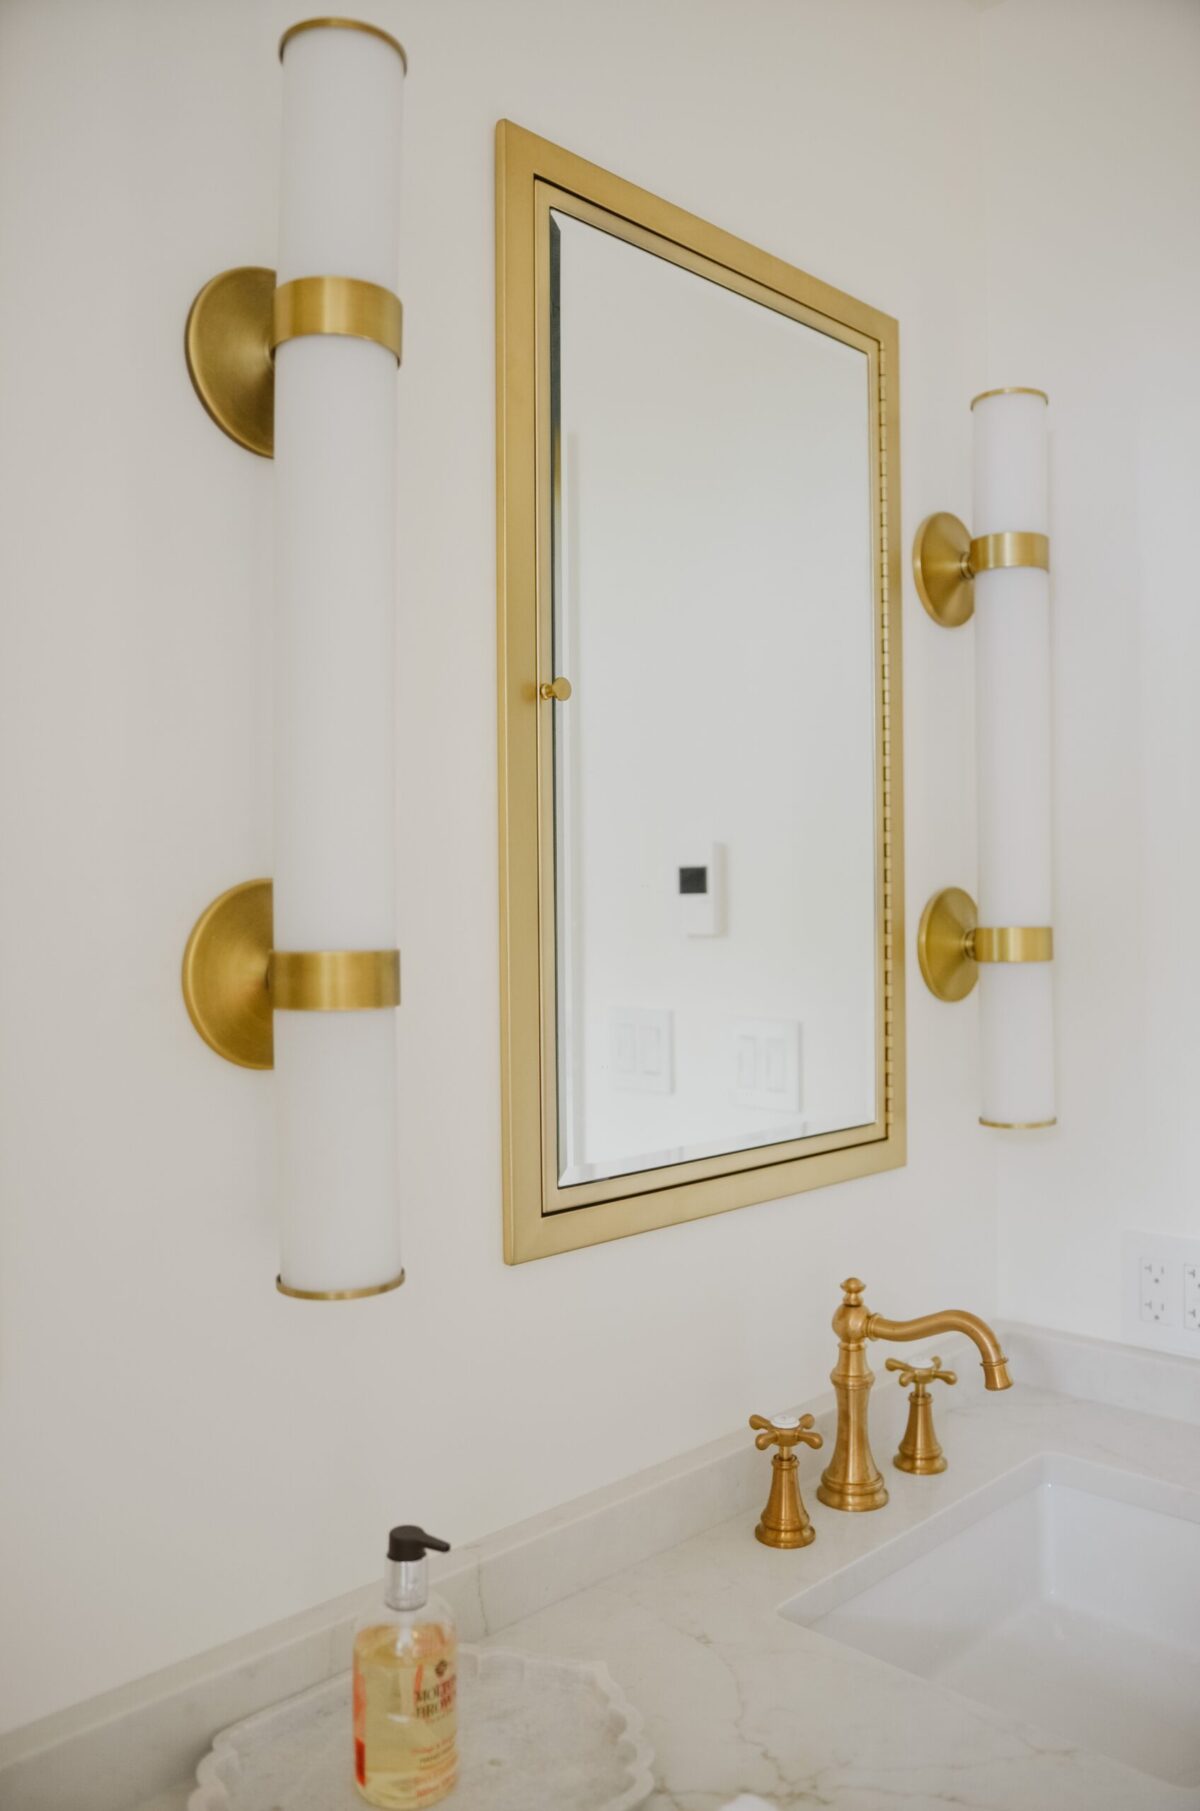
(540, 1218)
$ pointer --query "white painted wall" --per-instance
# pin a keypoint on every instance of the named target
(1091, 129)
(185, 1455)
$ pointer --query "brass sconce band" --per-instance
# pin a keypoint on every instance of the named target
(240, 317)
(333, 980)
(233, 980)
(946, 562)
(951, 945)
(1012, 943)
(991, 552)
(372, 31)
(341, 305)
(337, 1295)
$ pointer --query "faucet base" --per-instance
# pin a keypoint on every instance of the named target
(918, 1466)
(784, 1522)
(785, 1537)
(853, 1497)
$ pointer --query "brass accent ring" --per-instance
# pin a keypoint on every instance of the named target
(337, 1295)
(372, 31)
(1009, 390)
(344, 305)
(991, 552)
(1013, 943)
(1018, 1125)
(333, 980)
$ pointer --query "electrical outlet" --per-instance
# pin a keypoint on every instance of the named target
(1191, 1297)
(1161, 1292)
(1152, 1290)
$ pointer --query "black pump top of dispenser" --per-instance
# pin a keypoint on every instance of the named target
(409, 1543)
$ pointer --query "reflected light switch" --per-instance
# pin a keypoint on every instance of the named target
(642, 1049)
(767, 1064)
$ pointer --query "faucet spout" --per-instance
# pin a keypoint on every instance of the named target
(950, 1320)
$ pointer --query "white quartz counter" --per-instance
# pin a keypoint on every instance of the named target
(736, 1698)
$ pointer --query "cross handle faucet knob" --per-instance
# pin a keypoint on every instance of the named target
(785, 1433)
(921, 1375)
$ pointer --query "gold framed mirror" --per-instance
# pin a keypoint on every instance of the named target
(701, 841)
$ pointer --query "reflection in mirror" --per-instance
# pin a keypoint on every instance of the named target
(715, 815)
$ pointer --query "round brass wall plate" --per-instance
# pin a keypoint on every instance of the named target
(228, 346)
(946, 927)
(225, 975)
(941, 550)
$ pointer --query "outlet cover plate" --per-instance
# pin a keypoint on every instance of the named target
(1161, 1292)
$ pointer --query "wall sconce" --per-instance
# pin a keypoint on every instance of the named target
(1001, 576)
(303, 366)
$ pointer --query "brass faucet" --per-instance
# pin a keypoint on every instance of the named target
(784, 1522)
(852, 1480)
(920, 1450)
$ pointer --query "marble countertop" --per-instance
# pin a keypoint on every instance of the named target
(737, 1699)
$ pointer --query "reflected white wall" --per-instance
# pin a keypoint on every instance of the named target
(717, 620)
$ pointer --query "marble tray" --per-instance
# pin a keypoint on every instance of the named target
(531, 1733)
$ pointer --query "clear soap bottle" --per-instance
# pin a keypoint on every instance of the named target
(406, 1685)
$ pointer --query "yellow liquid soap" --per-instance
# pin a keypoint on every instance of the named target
(405, 1715)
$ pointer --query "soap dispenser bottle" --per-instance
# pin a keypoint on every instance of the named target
(405, 1685)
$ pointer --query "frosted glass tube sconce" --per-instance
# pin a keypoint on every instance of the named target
(301, 364)
(1001, 576)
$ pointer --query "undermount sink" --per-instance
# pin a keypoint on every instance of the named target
(1064, 1594)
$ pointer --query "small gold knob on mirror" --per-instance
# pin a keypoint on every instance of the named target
(919, 1450)
(784, 1521)
(559, 689)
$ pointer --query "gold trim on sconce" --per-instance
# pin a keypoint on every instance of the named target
(372, 31)
(946, 561)
(339, 1295)
(234, 981)
(1010, 390)
(342, 305)
(951, 944)
(993, 552)
(1013, 943)
(333, 980)
(240, 317)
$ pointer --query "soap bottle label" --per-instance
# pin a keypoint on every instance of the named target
(405, 1717)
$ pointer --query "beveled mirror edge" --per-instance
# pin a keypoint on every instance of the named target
(527, 1065)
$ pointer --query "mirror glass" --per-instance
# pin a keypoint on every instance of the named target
(716, 834)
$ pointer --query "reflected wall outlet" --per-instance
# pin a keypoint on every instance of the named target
(1152, 1290)
(1191, 1297)
(1162, 1292)
(766, 1064)
(642, 1050)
